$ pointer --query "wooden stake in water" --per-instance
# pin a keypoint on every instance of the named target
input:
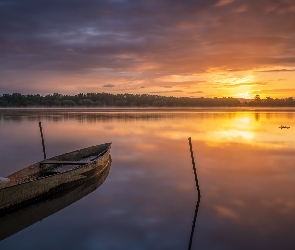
(40, 126)
(194, 167)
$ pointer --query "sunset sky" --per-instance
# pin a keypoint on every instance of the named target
(194, 48)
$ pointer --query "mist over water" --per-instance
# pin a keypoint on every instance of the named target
(245, 164)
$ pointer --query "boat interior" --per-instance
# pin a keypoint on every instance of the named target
(57, 164)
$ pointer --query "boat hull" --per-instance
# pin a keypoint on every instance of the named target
(42, 185)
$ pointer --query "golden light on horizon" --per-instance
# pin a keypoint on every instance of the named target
(236, 84)
(233, 80)
(245, 95)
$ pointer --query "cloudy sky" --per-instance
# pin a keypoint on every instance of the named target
(208, 48)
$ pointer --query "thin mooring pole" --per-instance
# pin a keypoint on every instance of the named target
(194, 167)
(40, 126)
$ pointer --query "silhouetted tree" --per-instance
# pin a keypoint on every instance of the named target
(133, 100)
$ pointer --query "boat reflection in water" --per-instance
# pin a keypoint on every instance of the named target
(18, 218)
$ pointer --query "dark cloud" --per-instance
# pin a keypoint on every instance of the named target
(234, 70)
(245, 84)
(275, 91)
(165, 92)
(109, 86)
(277, 70)
(197, 92)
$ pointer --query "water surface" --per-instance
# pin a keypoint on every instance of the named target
(245, 165)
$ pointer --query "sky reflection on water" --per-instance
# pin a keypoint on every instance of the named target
(245, 166)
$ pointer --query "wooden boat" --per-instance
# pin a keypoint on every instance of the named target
(53, 175)
(21, 217)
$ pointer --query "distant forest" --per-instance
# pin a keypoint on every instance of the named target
(133, 100)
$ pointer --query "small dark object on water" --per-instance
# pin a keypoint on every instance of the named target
(281, 127)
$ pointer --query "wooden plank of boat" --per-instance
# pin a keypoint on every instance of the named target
(65, 162)
(55, 174)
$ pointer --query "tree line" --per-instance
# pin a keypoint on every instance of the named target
(133, 100)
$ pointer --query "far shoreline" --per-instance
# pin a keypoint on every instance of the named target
(149, 109)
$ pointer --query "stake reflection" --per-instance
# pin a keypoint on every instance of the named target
(194, 224)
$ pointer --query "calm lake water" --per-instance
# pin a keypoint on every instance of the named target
(245, 166)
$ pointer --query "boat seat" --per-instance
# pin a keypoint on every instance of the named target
(65, 162)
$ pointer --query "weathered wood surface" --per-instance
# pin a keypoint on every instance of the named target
(32, 181)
